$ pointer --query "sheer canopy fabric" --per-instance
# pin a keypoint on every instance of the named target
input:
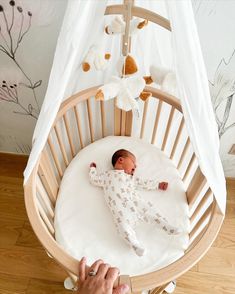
(83, 26)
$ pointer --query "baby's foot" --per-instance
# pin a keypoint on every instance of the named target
(140, 251)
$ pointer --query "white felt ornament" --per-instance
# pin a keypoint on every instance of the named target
(165, 78)
(96, 59)
(118, 25)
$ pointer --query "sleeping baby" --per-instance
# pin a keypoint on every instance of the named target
(120, 190)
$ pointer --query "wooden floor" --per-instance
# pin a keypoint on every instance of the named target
(26, 269)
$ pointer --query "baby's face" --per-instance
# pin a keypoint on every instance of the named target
(129, 164)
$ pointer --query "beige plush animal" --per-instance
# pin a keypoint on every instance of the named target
(163, 77)
(118, 25)
(95, 58)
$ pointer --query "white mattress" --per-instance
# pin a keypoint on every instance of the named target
(84, 225)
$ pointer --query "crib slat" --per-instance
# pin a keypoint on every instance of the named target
(177, 138)
(103, 118)
(196, 185)
(200, 221)
(201, 204)
(191, 162)
(69, 135)
(196, 240)
(47, 177)
(46, 200)
(90, 119)
(78, 126)
(123, 123)
(129, 120)
(168, 128)
(55, 157)
(144, 118)
(156, 121)
(61, 144)
(186, 146)
(117, 119)
(45, 219)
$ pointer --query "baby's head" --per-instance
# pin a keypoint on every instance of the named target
(124, 160)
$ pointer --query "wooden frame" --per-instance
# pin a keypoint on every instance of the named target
(41, 218)
(49, 170)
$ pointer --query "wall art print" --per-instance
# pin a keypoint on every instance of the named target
(222, 90)
(15, 24)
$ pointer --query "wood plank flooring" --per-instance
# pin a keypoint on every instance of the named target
(25, 268)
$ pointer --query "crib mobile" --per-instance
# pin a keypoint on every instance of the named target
(206, 219)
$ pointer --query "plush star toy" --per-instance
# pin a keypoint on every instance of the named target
(126, 88)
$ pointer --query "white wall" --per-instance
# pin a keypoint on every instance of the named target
(33, 58)
(216, 26)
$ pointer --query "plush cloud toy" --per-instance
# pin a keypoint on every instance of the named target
(118, 25)
(126, 88)
(95, 58)
(163, 77)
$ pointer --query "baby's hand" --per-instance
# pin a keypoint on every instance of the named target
(163, 186)
(93, 164)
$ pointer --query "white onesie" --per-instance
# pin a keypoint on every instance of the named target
(126, 205)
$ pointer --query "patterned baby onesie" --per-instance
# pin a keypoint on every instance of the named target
(126, 206)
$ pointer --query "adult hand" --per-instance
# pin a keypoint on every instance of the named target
(99, 279)
(93, 164)
(163, 186)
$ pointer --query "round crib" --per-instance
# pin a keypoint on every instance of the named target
(80, 121)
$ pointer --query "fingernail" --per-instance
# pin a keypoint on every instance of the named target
(83, 259)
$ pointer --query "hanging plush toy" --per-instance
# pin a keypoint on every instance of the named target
(126, 88)
(163, 77)
(118, 25)
(95, 58)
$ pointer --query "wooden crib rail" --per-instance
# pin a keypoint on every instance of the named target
(68, 136)
(147, 281)
(191, 257)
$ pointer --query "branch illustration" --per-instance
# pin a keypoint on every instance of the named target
(223, 90)
(222, 128)
(10, 47)
(9, 94)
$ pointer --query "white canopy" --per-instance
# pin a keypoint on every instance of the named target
(83, 26)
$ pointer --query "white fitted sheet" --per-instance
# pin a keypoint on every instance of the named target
(84, 225)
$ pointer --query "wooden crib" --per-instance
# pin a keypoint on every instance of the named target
(81, 112)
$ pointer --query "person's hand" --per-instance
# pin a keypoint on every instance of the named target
(163, 186)
(99, 279)
(93, 164)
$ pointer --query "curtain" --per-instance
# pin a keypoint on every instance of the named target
(195, 96)
(82, 25)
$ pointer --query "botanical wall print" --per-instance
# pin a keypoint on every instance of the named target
(28, 34)
(19, 145)
(223, 92)
(11, 38)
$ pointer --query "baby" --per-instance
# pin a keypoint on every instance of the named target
(126, 206)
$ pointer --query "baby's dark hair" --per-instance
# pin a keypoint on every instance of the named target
(120, 153)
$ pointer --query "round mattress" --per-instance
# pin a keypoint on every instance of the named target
(83, 222)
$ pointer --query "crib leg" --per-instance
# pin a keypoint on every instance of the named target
(167, 288)
(170, 288)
